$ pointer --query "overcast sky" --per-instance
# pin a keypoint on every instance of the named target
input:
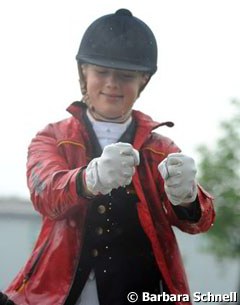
(198, 74)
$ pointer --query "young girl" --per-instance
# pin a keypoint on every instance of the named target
(108, 187)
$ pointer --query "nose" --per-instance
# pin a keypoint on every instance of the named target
(112, 80)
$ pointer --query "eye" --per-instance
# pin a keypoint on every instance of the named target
(128, 76)
(101, 71)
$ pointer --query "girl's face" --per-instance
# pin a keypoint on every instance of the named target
(111, 93)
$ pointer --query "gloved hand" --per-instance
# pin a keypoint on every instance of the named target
(113, 169)
(178, 172)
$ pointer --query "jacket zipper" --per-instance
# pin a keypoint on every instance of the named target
(32, 269)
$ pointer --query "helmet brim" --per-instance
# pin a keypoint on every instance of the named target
(116, 64)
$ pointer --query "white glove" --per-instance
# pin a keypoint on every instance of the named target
(113, 169)
(178, 172)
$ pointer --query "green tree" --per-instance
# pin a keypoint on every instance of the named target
(219, 172)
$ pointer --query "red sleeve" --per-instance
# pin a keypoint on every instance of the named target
(206, 219)
(51, 179)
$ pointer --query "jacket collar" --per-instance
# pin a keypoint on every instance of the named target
(76, 109)
(145, 124)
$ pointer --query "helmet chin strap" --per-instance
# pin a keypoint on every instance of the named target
(100, 117)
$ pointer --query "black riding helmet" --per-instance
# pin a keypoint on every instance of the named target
(119, 41)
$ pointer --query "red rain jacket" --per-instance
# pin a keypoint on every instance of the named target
(55, 157)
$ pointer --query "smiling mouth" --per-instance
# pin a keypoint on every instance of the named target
(112, 96)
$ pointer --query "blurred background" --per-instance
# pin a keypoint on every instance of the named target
(196, 82)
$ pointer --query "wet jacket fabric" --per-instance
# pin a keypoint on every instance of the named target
(56, 155)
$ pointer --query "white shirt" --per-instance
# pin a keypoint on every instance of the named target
(108, 132)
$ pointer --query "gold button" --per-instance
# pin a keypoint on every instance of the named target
(99, 230)
(94, 252)
(101, 209)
